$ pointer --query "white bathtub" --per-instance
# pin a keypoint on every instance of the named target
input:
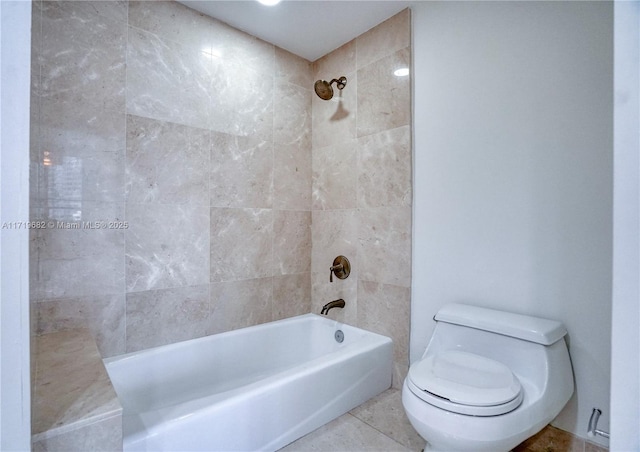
(256, 388)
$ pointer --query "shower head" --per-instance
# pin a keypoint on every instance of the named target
(325, 91)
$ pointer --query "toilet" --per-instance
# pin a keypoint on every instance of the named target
(488, 379)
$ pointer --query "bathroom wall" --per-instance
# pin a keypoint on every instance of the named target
(361, 196)
(625, 334)
(513, 164)
(192, 141)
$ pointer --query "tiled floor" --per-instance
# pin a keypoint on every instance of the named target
(381, 425)
(377, 425)
(552, 439)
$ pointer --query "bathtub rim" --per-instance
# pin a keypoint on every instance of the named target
(231, 333)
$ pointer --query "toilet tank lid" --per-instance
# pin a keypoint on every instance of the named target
(528, 328)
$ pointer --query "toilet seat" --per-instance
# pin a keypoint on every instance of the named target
(465, 383)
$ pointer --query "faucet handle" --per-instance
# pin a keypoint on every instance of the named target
(335, 268)
(341, 268)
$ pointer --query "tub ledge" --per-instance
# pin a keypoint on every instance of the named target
(75, 404)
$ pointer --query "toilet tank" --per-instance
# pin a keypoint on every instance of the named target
(528, 328)
(533, 348)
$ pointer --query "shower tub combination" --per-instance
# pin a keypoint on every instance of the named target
(257, 388)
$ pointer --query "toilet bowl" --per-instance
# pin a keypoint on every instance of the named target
(488, 379)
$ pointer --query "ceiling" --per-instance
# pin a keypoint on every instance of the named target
(307, 28)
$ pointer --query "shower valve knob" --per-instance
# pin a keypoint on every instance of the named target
(341, 268)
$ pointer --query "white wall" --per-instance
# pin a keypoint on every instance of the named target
(625, 350)
(513, 173)
(15, 42)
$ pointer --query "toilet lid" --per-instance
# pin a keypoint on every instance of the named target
(466, 379)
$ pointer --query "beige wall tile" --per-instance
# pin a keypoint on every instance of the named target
(234, 47)
(292, 175)
(79, 152)
(292, 113)
(293, 69)
(241, 244)
(167, 245)
(384, 99)
(76, 262)
(341, 61)
(82, 56)
(291, 295)
(173, 21)
(241, 100)
(384, 165)
(384, 251)
(116, 10)
(385, 309)
(391, 35)
(334, 182)
(241, 172)
(334, 233)
(239, 304)
(159, 317)
(166, 163)
(167, 80)
(291, 242)
(103, 315)
(176, 22)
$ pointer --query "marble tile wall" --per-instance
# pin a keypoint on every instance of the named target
(194, 140)
(209, 157)
(361, 184)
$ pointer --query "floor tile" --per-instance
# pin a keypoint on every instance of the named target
(345, 434)
(386, 414)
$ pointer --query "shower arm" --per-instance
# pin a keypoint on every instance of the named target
(340, 82)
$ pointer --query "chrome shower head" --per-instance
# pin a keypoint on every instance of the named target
(325, 91)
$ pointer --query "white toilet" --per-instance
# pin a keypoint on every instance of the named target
(488, 379)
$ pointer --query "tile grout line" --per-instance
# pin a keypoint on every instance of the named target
(124, 188)
(272, 188)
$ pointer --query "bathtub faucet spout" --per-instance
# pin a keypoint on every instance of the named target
(339, 303)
